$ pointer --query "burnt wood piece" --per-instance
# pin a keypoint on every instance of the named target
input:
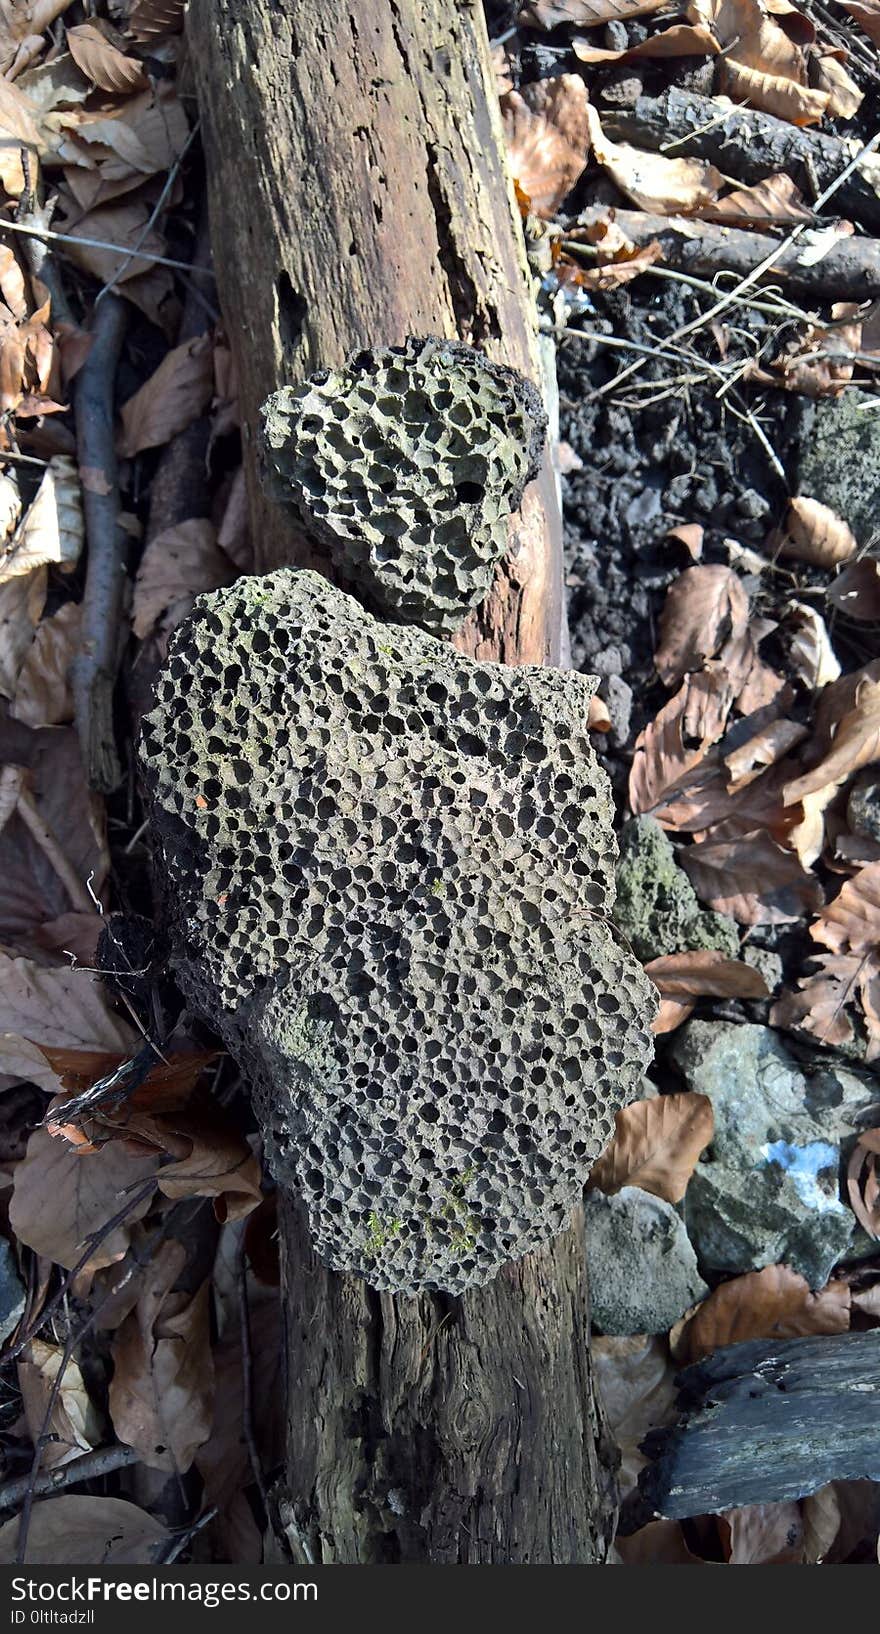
(850, 270)
(749, 145)
(763, 1423)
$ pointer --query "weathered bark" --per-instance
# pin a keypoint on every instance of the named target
(750, 145)
(358, 195)
(762, 1423)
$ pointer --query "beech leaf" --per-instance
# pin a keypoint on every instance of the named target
(177, 393)
(161, 1393)
(814, 533)
(776, 1303)
(705, 973)
(656, 1145)
(654, 182)
(705, 607)
(755, 880)
(178, 565)
(86, 1192)
(102, 63)
(85, 1531)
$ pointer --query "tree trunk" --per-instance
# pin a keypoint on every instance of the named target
(358, 195)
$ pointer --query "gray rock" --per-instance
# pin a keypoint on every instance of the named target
(657, 907)
(764, 960)
(863, 806)
(618, 695)
(642, 1267)
(11, 1292)
(767, 1190)
(839, 461)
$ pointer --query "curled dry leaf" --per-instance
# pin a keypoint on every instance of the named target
(704, 608)
(585, 13)
(86, 1531)
(773, 94)
(776, 1303)
(763, 1535)
(42, 694)
(856, 591)
(660, 1543)
(856, 743)
(814, 533)
(100, 60)
(161, 1393)
(773, 201)
(705, 973)
(679, 40)
(177, 393)
(51, 532)
(544, 160)
(851, 924)
(671, 752)
(749, 759)
(73, 1426)
(867, 14)
(150, 19)
(689, 534)
(22, 600)
(177, 566)
(819, 1004)
(653, 182)
(810, 651)
(828, 74)
(637, 1384)
(671, 1014)
(86, 1193)
(761, 62)
(755, 880)
(613, 268)
(863, 1181)
(656, 1145)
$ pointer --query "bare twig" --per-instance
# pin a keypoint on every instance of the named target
(40, 831)
(153, 217)
(93, 672)
(90, 1467)
(102, 244)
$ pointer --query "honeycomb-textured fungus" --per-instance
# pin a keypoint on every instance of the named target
(405, 464)
(386, 870)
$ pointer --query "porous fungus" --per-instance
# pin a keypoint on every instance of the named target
(387, 870)
(405, 465)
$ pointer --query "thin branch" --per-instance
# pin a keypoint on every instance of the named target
(153, 217)
(93, 672)
(103, 244)
(89, 1467)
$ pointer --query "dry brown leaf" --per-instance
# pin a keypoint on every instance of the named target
(654, 182)
(705, 973)
(86, 1531)
(774, 200)
(161, 1393)
(22, 600)
(753, 879)
(544, 163)
(817, 361)
(51, 532)
(821, 1516)
(671, 752)
(783, 98)
(855, 743)
(656, 1145)
(21, 29)
(827, 73)
(818, 1006)
(671, 1014)
(660, 1543)
(810, 650)
(86, 1193)
(814, 533)
(100, 60)
(763, 1535)
(62, 1008)
(42, 694)
(749, 759)
(71, 933)
(689, 534)
(124, 223)
(177, 393)
(851, 924)
(622, 268)
(637, 1387)
(863, 1182)
(598, 715)
(224, 1461)
(867, 14)
(211, 1156)
(856, 591)
(679, 40)
(73, 1425)
(233, 535)
(176, 567)
(585, 13)
(776, 1303)
(704, 608)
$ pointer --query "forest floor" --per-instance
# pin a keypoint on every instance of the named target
(710, 269)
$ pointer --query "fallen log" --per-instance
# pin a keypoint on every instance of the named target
(763, 1423)
(749, 146)
(849, 271)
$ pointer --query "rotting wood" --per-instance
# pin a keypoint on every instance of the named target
(849, 270)
(358, 195)
(749, 146)
(762, 1423)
